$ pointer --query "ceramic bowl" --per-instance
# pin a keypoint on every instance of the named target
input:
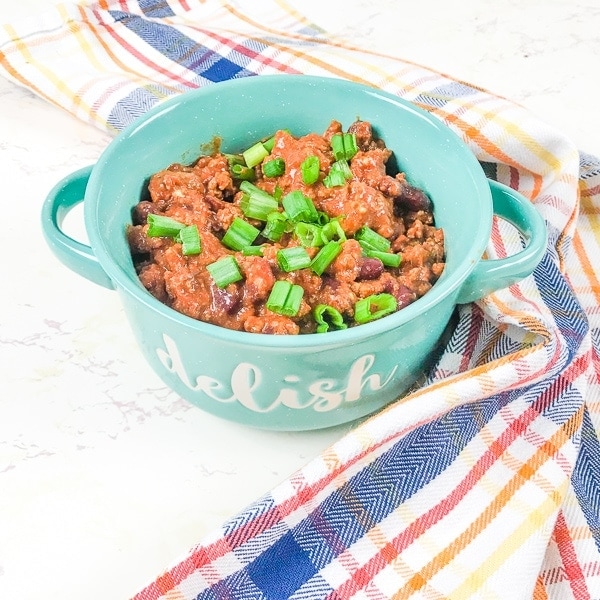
(307, 381)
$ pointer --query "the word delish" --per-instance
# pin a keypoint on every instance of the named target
(246, 381)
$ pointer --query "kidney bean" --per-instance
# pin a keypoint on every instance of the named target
(225, 300)
(413, 199)
(403, 294)
(153, 279)
(370, 268)
(140, 243)
(140, 212)
(330, 282)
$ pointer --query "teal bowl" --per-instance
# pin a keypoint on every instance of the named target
(307, 381)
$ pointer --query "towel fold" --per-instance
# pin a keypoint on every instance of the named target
(485, 483)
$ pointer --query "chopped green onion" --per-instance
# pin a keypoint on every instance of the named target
(293, 301)
(258, 206)
(255, 154)
(323, 218)
(344, 146)
(350, 146)
(190, 240)
(240, 234)
(343, 167)
(269, 143)
(337, 145)
(161, 226)
(310, 168)
(276, 226)
(333, 231)
(334, 179)
(389, 259)
(234, 159)
(252, 250)
(274, 167)
(374, 307)
(308, 234)
(285, 298)
(328, 317)
(299, 207)
(257, 203)
(293, 258)
(278, 294)
(253, 190)
(224, 271)
(339, 173)
(326, 255)
(371, 240)
(242, 172)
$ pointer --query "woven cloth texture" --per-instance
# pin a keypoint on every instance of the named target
(485, 482)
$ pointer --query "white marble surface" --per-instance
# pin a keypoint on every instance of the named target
(105, 476)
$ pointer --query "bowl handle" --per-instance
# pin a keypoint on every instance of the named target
(495, 274)
(80, 258)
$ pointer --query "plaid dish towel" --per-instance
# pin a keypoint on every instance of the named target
(485, 483)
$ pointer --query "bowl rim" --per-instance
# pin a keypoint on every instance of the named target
(444, 287)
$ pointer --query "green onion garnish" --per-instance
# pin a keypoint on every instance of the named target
(256, 203)
(326, 255)
(255, 154)
(187, 235)
(293, 258)
(242, 172)
(190, 240)
(334, 179)
(253, 190)
(258, 206)
(343, 167)
(309, 234)
(323, 218)
(310, 168)
(276, 226)
(293, 301)
(234, 159)
(389, 259)
(224, 271)
(350, 146)
(344, 146)
(337, 145)
(240, 234)
(278, 294)
(374, 307)
(339, 173)
(328, 317)
(299, 207)
(252, 250)
(269, 143)
(333, 231)
(371, 240)
(161, 226)
(285, 298)
(274, 168)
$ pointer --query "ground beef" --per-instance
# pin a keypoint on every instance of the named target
(206, 195)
